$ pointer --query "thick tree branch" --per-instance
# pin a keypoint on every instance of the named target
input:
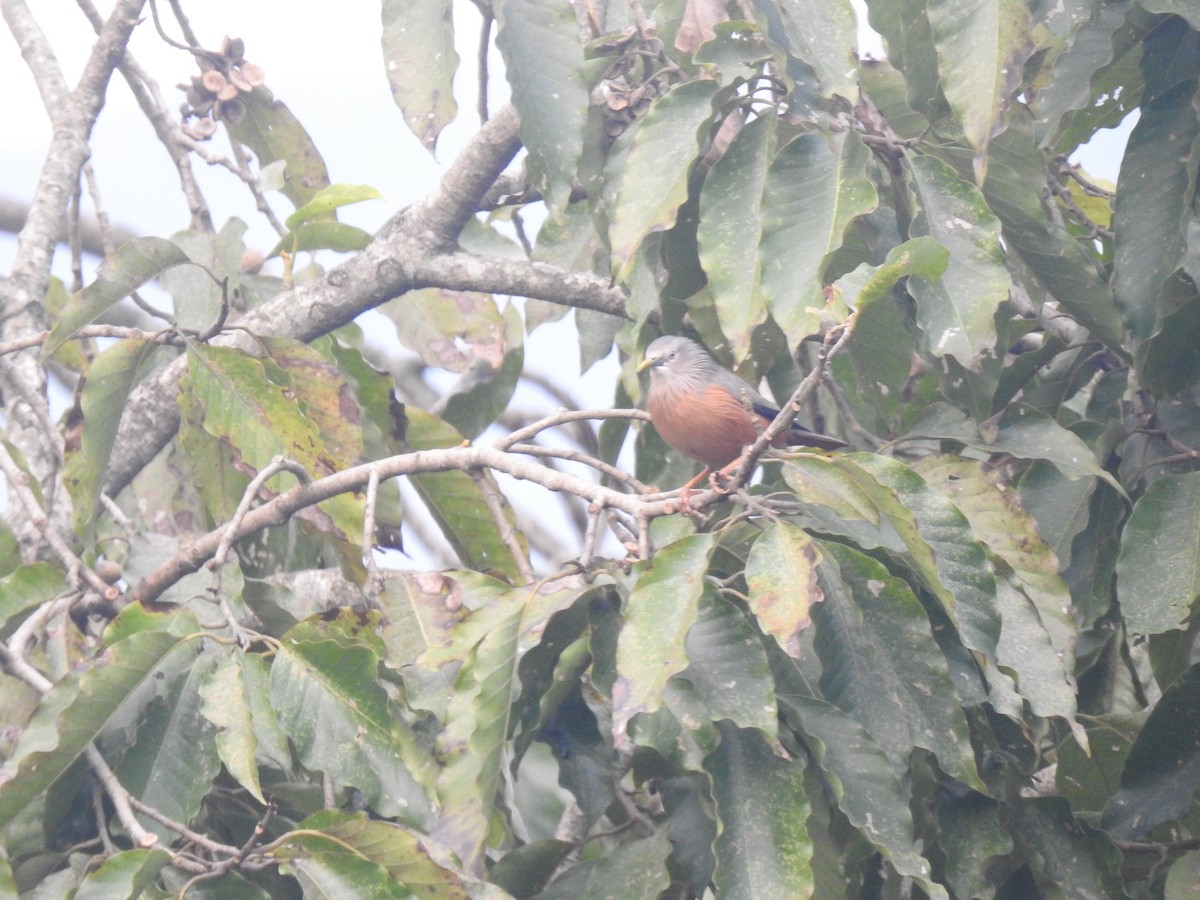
(73, 116)
(417, 248)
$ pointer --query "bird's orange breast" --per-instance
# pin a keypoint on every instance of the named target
(710, 425)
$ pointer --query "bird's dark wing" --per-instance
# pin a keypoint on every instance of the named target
(753, 400)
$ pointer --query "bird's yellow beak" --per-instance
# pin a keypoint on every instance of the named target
(647, 363)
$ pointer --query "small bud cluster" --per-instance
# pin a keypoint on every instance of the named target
(640, 71)
(214, 93)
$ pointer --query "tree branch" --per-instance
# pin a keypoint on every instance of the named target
(466, 458)
(417, 248)
(73, 115)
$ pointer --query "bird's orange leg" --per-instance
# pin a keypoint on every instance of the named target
(685, 492)
(720, 475)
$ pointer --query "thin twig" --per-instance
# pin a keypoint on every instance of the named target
(591, 534)
(567, 415)
(184, 25)
(18, 668)
(74, 238)
(485, 43)
(181, 829)
(374, 581)
(835, 341)
(121, 332)
(582, 458)
(118, 514)
(277, 465)
(508, 534)
(18, 484)
(260, 199)
(847, 415)
(121, 799)
(110, 849)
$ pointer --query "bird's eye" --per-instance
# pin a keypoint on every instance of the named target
(673, 355)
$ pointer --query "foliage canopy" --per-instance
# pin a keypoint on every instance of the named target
(957, 660)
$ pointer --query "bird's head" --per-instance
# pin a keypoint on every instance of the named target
(677, 361)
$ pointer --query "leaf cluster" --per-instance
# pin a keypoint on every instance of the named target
(957, 660)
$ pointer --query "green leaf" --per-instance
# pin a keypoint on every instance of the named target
(982, 46)
(273, 133)
(905, 26)
(524, 871)
(1182, 877)
(25, 588)
(1158, 178)
(1158, 571)
(729, 232)
(939, 546)
(323, 395)
(1061, 506)
(74, 713)
(450, 330)
(325, 688)
(727, 667)
(227, 705)
(131, 873)
(972, 836)
(420, 61)
(1079, 97)
(653, 183)
(457, 504)
(130, 266)
(1065, 851)
(111, 378)
(1089, 780)
(197, 291)
(174, 760)
(8, 884)
(1010, 533)
(322, 235)
(1026, 650)
(863, 784)
(330, 198)
(663, 606)
(325, 870)
(549, 673)
(262, 412)
(482, 394)
(419, 611)
(539, 40)
(881, 664)
(816, 187)
(410, 858)
(1023, 431)
(923, 257)
(781, 575)
(480, 714)
(633, 871)
(956, 313)
(763, 849)
(823, 34)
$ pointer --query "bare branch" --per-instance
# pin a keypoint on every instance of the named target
(73, 114)
(416, 249)
(642, 509)
(374, 580)
(120, 798)
(508, 534)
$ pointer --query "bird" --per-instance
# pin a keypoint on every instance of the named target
(706, 412)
